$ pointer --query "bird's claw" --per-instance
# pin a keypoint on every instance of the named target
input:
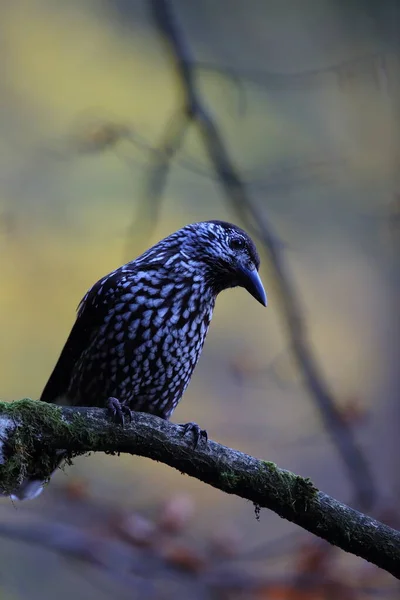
(197, 433)
(118, 411)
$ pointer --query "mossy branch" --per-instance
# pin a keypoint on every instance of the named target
(31, 431)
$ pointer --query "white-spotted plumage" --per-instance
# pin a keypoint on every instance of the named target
(140, 330)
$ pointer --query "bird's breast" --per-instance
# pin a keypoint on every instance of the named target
(145, 352)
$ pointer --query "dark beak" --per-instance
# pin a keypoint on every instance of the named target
(251, 281)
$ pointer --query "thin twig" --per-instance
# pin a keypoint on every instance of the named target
(148, 212)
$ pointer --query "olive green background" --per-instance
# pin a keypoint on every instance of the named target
(319, 153)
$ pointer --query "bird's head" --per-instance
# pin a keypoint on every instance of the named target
(215, 253)
(223, 254)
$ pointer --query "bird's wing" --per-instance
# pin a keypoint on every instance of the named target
(91, 313)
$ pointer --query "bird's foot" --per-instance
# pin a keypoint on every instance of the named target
(118, 411)
(199, 435)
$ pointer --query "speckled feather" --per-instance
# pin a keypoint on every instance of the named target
(140, 330)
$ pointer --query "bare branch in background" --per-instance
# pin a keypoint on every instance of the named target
(31, 431)
(159, 166)
(195, 112)
(366, 66)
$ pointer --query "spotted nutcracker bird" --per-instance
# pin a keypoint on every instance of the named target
(140, 330)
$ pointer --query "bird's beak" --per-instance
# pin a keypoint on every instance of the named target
(253, 284)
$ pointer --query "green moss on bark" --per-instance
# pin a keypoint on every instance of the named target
(28, 420)
(300, 490)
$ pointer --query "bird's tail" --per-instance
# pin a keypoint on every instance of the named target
(31, 487)
(28, 490)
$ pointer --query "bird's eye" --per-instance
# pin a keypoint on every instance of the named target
(236, 243)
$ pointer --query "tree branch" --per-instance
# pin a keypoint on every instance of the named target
(31, 431)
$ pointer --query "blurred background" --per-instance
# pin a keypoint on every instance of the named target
(305, 96)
